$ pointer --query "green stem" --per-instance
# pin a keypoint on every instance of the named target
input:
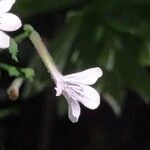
(21, 37)
(43, 53)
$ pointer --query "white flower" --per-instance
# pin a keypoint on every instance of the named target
(75, 88)
(8, 22)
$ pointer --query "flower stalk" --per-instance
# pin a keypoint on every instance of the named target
(43, 52)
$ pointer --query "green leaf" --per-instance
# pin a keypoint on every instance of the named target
(28, 73)
(12, 70)
(13, 49)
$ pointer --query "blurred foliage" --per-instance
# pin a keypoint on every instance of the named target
(8, 112)
(112, 34)
(13, 71)
(13, 49)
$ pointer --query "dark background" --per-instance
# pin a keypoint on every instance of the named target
(111, 34)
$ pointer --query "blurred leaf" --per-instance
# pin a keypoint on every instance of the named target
(28, 73)
(127, 64)
(144, 56)
(8, 112)
(85, 43)
(113, 103)
(140, 83)
(113, 89)
(13, 49)
(64, 43)
(108, 47)
(12, 70)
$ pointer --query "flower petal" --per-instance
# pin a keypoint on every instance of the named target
(4, 40)
(90, 97)
(87, 77)
(5, 5)
(85, 94)
(73, 108)
(9, 22)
